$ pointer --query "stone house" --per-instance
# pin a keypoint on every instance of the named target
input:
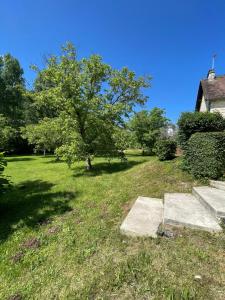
(211, 94)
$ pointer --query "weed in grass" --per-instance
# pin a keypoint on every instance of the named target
(184, 294)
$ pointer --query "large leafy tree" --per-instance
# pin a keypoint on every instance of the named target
(91, 97)
(11, 89)
(147, 126)
(14, 103)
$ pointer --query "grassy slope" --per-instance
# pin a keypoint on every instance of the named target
(84, 256)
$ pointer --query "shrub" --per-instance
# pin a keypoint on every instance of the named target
(192, 122)
(166, 149)
(205, 155)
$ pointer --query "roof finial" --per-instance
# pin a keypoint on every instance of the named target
(213, 61)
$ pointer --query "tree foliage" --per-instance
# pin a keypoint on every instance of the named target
(205, 154)
(12, 88)
(165, 149)
(7, 133)
(147, 126)
(13, 103)
(91, 97)
(124, 139)
(46, 135)
(192, 122)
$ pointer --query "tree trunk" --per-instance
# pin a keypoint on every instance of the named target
(44, 152)
(88, 164)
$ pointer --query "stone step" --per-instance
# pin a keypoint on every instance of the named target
(144, 218)
(211, 198)
(186, 210)
(218, 184)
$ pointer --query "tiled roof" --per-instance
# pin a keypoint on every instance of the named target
(214, 89)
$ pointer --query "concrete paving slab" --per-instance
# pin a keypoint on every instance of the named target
(186, 210)
(212, 198)
(218, 184)
(144, 218)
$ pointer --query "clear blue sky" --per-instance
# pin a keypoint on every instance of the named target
(173, 41)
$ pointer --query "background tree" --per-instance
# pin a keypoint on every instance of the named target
(92, 97)
(7, 133)
(12, 85)
(13, 102)
(124, 139)
(147, 126)
(46, 135)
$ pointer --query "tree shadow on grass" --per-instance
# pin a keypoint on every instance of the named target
(28, 203)
(15, 158)
(106, 168)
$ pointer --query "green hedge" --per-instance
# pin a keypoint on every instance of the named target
(205, 155)
(192, 122)
(166, 149)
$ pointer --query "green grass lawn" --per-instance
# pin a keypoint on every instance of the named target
(59, 231)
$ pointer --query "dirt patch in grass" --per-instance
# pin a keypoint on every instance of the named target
(126, 207)
(15, 297)
(91, 205)
(53, 230)
(178, 231)
(17, 257)
(32, 243)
